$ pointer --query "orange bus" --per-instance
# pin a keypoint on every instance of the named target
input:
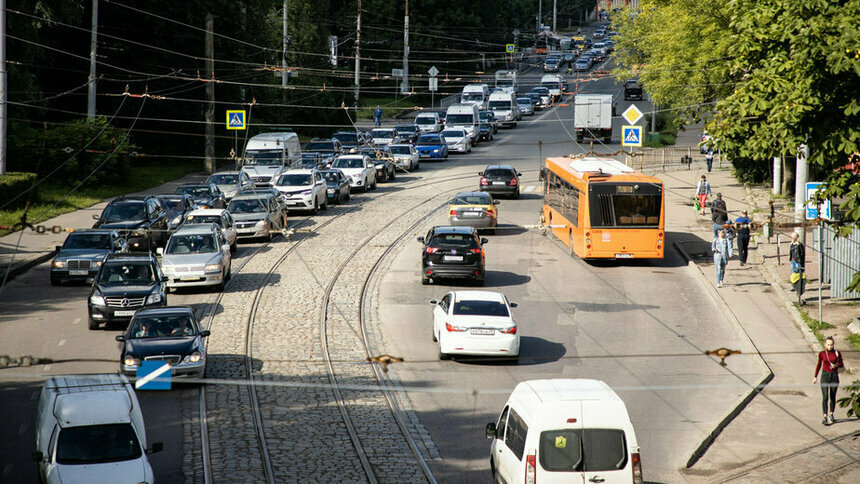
(602, 209)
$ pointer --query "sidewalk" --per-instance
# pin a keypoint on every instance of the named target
(784, 419)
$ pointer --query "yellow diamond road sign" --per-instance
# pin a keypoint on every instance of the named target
(632, 114)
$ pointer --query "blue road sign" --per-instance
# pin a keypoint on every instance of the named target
(631, 136)
(236, 119)
(153, 375)
(812, 208)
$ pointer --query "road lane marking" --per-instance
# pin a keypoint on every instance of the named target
(76, 321)
(530, 189)
(46, 369)
(61, 343)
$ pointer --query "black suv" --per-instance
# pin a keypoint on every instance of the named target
(455, 252)
(125, 283)
(632, 90)
(501, 180)
(141, 220)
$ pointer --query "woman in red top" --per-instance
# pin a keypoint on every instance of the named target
(829, 362)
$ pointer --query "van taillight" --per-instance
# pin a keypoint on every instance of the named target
(531, 469)
(637, 469)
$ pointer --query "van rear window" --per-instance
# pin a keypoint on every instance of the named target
(94, 444)
(595, 450)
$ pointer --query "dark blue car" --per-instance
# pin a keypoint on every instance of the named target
(431, 146)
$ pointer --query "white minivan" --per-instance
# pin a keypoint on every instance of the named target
(561, 431)
(477, 94)
(267, 155)
(505, 108)
(464, 116)
(89, 428)
(554, 83)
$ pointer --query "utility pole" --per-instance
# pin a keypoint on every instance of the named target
(540, 14)
(284, 73)
(553, 14)
(404, 84)
(357, 52)
(3, 87)
(209, 160)
(91, 88)
(802, 176)
(777, 175)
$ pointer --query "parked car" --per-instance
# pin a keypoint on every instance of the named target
(304, 190)
(176, 207)
(360, 170)
(473, 209)
(384, 136)
(457, 140)
(197, 255)
(205, 195)
(428, 122)
(140, 220)
(408, 132)
(337, 185)
(452, 252)
(501, 179)
(431, 146)
(485, 131)
(170, 334)
(405, 156)
(89, 428)
(82, 254)
(476, 323)
(125, 282)
(218, 216)
(230, 182)
(257, 215)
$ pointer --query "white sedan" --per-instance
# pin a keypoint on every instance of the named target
(359, 169)
(218, 216)
(457, 140)
(475, 323)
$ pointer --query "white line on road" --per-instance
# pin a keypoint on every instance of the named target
(46, 369)
(152, 376)
(76, 321)
(530, 189)
(61, 343)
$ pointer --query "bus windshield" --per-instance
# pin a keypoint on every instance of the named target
(619, 205)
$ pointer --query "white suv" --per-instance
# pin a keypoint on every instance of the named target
(359, 169)
(304, 189)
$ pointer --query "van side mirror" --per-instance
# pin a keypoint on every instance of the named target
(480, 173)
(120, 337)
(433, 301)
(484, 240)
(513, 304)
(205, 333)
(156, 447)
(519, 174)
(164, 278)
(95, 216)
(58, 247)
(491, 430)
(496, 202)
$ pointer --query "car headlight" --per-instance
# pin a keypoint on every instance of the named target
(153, 298)
(99, 263)
(130, 361)
(331, 190)
(97, 300)
(214, 267)
(176, 220)
(260, 223)
(195, 357)
(436, 150)
(59, 264)
(307, 192)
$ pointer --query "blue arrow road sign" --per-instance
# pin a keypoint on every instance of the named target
(153, 375)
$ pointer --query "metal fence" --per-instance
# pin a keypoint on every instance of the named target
(841, 260)
(669, 158)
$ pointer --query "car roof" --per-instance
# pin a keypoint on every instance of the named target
(205, 211)
(500, 167)
(167, 310)
(448, 229)
(473, 194)
(300, 171)
(131, 256)
(252, 196)
(401, 145)
(195, 229)
(351, 156)
(203, 184)
(479, 296)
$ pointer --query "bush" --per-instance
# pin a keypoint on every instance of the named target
(13, 184)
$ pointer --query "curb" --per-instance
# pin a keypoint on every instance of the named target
(745, 399)
(773, 279)
(19, 269)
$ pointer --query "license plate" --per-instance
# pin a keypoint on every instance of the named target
(453, 258)
(499, 183)
(123, 313)
(482, 331)
(470, 214)
(424, 156)
(189, 278)
(78, 273)
(623, 256)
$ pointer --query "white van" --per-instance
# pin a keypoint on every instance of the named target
(267, 155)
(553, 82)
(477, 94)
(464, 116)
(89, 428)
(505, 108)
(561, 431)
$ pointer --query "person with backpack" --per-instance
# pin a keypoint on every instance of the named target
(703, 189)
(829, 362)
(719, 213)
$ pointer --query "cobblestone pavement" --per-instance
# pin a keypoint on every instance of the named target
(304, 430)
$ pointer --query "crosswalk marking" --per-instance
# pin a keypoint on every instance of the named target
(529, 189)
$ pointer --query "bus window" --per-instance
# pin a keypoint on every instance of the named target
(619, 210)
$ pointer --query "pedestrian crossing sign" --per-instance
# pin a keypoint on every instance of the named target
(236, 119)
(509, 48)
(631, 136)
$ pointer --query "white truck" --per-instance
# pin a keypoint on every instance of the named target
(477, 94)
(592, 117)
(268, 155)
(465, 116)
(507, 80)
(554, 83)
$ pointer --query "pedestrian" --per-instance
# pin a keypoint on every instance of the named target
(719, 213)
(377, 116)
(796, 253)
(829, 362)
(742, 225)
(703, 189)
(709, 159)
(722, 249)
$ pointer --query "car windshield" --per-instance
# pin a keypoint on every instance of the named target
(224, 179)
(331, 177)
(118, 212)
(541, 90)
(252, 205)
(505, 83)
(498, 172)
(383, 133)
(488, 116)
(401, 150)
(191, 244)
(409, 129)
(94, 444)
(453, 133)
(172, 204)
(167, 326)
(429, 139)
(127, 274)
(195, 191)
(524, 100)
(348, 163)
(471, 199)
(460, 119)
(454, 241)
(346, 137)
(551, 84)
(473, 96)
(589, 450)
(326, 146)
(480, 308)
(500, 105)
(263, 157)
(204, 219)
(295, 179)
(87, 241)
(425, 120)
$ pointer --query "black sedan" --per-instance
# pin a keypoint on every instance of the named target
(486, 131)
(205, 195)
(501, 180)
(452, 252)
(176, 206)
(337, 183)
(170, 334)
(408, 132)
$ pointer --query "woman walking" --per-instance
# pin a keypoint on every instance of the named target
(722, 249)
(703, 189)
(829, 362)
(797, 253)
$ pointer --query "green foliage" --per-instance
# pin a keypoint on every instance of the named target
(13, 184)
(852, 401)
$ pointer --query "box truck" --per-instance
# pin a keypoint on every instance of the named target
(592, 117)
